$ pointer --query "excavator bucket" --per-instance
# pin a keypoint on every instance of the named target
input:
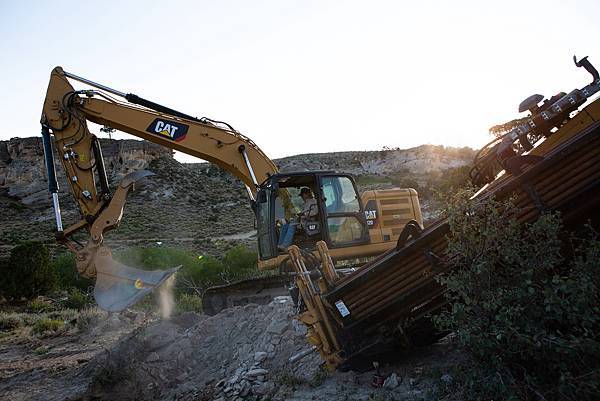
(119, 286)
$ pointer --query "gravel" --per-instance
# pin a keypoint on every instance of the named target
(239, 354)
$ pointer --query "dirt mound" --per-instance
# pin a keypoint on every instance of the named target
(239, 354)
(242, 352)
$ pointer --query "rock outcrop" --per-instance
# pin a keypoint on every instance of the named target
(23, 174)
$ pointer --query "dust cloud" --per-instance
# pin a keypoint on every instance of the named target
(166, 299)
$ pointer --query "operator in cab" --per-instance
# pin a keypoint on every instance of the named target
(308, 213)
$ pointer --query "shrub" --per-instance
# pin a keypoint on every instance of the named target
(47, 325)
(197, 272)
(28, 272)
(67, 275)
(89, 317)
(10, 321)
(18, 206)
(189, 303)
(524, 302)
(4, 283)
(77, 299)
(205, 272)
(41, 350)
(451, 180)
(240, 258)
(406, 181)
(38, 305)
(155, 258)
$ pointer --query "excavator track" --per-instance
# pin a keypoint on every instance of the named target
(260, 290)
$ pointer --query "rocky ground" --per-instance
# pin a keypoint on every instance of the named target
(239, 354)
(49, 365)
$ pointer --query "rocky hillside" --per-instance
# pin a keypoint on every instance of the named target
(424, 159)
(194, 206)
(23, 174)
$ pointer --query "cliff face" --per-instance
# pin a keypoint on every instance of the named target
(23, 173)
(181, 206)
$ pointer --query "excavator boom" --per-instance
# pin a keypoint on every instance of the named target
(65, 115)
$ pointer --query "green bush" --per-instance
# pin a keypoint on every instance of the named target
(41, 350)
(406, 181)
(47, 325)
(189, 303)
(67, 275)
(525, 302)
(155, 258)
(451, 180)
(205, 272)
(240, 258)
(89, 317)
(18, 206)
(38, 306)
(77, 299)
(28, 272)
(4, 283)
(10, 321)
(197, 272)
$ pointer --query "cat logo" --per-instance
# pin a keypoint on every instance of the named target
(169, 129)
(371, 214)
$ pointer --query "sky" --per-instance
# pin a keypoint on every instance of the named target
(305, 76)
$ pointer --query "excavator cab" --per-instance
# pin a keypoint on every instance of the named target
(339, 219)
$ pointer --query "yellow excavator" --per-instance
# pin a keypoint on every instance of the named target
(352, 226)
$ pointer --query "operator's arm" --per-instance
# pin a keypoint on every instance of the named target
(310, 208)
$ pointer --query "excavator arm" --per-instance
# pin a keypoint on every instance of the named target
(65, 115)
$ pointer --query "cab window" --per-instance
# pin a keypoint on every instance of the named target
(340, 196)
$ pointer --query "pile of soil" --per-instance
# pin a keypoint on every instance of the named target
(243, 354)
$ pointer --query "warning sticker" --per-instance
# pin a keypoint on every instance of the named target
(341, 306)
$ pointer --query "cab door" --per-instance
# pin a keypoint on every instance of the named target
(344, 218)
(265, 226)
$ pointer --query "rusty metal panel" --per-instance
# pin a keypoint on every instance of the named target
(400, 283)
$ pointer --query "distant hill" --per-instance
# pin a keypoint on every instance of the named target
(194, 206)
(423, 159)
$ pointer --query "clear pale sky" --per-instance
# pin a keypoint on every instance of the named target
(305, 76)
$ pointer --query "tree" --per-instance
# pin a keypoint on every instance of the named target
(28, 272)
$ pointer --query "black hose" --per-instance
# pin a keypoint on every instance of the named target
(100, 166)
(49, 159)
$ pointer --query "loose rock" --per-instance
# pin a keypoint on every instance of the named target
(391, 382)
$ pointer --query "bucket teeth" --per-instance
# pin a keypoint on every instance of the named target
(119, 286)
